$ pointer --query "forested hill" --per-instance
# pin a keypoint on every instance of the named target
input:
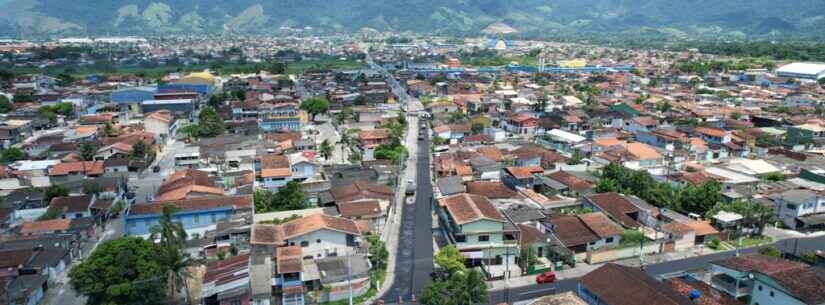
(682, 18)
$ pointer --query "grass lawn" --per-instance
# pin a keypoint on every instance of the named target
(747, 242)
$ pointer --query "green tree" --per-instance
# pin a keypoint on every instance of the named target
(325, 149)
(5, 104)
(139, 150)
(450, 259)
(90, 187)
(55, 190)
(210, 124)
(461, 288)
(87, 150)
(315, 106)
(393, 152)
(342, 116)
(123, 271)
(378, 253)
(288, 197)
(170, 254)
(12, 154)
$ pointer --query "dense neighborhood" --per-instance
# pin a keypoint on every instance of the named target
(372, 169)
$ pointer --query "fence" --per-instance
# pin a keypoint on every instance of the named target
(613, 254)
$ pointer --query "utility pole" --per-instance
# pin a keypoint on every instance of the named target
(349, 276)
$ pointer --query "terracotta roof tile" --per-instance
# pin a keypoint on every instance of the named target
(601, 225)
(89, 168)
(315, 222)
(267, 234)
(617, 206)
(194, 204)
(620, 285)
(466, 208)
(490, 189)
(45, 226)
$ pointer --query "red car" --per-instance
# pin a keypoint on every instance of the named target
(547, 277)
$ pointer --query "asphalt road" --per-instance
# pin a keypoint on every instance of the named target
(793, 246)
(414, 262)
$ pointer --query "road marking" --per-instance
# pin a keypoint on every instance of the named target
(538, 291)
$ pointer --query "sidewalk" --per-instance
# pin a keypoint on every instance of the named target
(390, 233)
(583, 268)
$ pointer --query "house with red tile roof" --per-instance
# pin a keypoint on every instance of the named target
(477, 228)
(616, 206)
(69, 171)
(320, 235)
(273, 171)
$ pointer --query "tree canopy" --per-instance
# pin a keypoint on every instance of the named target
(288, 197)
(689, 199)
(450, 259)
(315, 106)
(209, 125)
(121, 271)
(12, 154)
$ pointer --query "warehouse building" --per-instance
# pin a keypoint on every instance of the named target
(803, 70)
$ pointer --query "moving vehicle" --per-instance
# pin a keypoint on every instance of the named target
(547, 277)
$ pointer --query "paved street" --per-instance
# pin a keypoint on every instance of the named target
(61, 292)
(145, 184)
(696, 262)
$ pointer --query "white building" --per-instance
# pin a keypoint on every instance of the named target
(804, 70)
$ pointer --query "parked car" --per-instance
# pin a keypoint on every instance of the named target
(410, 187)
(547, 277)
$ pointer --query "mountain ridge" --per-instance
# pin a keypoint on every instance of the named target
(755, 18)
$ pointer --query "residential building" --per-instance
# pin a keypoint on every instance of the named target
(474, 225)
(613, 284)
(197, 215)
(800, 209)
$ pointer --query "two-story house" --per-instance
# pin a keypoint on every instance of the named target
(273, 171)
(748, 277)
(474, 225)
(321, 235)
(369, 140)
(800, 209)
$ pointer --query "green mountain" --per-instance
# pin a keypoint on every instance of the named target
(683, 18)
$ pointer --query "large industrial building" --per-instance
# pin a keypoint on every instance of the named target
(804, 70)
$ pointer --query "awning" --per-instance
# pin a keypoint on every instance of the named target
(813, 220)
(474, 254)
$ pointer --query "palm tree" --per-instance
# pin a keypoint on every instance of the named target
(326, 149)
(345, 141)
(172, 240)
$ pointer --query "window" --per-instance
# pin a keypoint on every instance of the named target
(305, 244)
(760, 287)
(609, 240)
(460, 238)
(483, 238)
(133, 224)
(196, 219)
(236, 302)
(771, 293)
(791, 206)
(214, 218)
(318, 240)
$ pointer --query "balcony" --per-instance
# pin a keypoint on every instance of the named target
(731, 286)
